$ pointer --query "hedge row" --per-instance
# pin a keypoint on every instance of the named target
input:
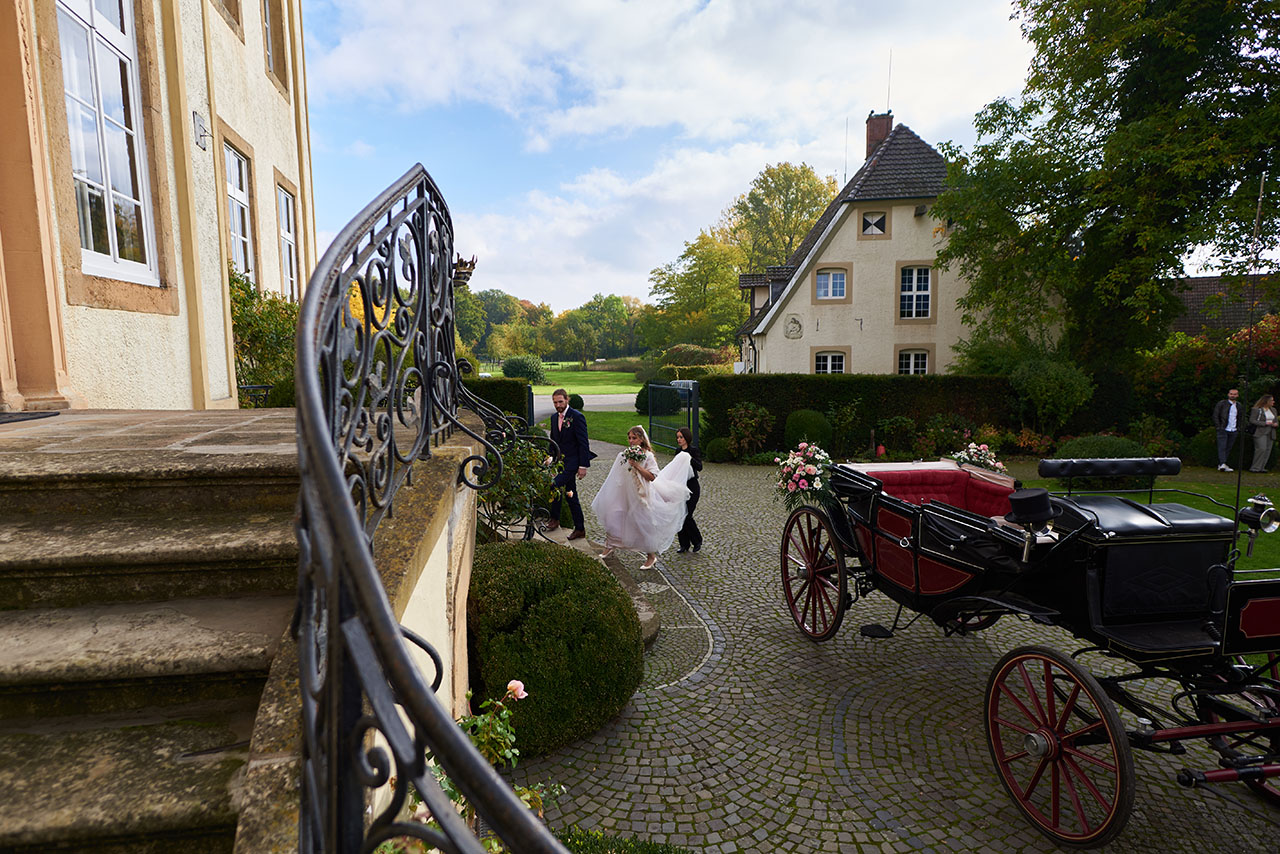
(509, 395)
(981, 400)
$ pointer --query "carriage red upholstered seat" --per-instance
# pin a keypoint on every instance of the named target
(958, 488)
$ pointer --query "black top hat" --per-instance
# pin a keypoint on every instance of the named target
(1031, 506)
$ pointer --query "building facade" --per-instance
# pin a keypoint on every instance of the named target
(149, 144)
(862, 293)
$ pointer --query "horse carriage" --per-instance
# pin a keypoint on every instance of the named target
(1151, 586)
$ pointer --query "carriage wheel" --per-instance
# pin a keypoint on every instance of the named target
(972, 623)
(1059, 747)
(1250, 744)
(814, 579)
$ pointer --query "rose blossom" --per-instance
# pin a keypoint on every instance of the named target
(791, 486)
(803, 445)
(516, 689)
(810, 469)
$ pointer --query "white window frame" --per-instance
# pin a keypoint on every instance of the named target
(914, 289)
(826, 281)
(102, 35)
(287, 216)
(266, 34)
(915, 362)
(238, 202)
(828, 363)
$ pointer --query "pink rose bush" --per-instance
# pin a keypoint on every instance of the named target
(802, 477)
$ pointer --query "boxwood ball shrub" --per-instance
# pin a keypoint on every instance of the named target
(718, 450)
(561, 623)
(808, 425)
(527, 367)
(575, 402)
(666, 401)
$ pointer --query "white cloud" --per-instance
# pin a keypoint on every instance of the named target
(718, 70)
(359, 148)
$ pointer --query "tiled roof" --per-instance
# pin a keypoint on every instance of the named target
(1231, 313)
(903, 166)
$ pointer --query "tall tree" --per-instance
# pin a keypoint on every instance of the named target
(770, 220)
(499, 307)
(1142, 132)
(608, 317)
(574, 336)
(468, 315)
(698, 297)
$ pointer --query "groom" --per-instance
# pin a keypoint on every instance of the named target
(569, 432)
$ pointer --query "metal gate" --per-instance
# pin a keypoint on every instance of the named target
(671, 406)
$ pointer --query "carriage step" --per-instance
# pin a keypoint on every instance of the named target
(875, 630)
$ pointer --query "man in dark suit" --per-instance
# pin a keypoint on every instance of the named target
(569, 432)
(1228, 418)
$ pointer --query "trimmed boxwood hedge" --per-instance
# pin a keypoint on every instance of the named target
(559, 621)
(981, 400)
(509, 395)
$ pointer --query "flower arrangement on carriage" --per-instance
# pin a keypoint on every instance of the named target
(980, 456)
(802, 476)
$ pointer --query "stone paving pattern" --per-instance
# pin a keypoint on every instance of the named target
(747, 736)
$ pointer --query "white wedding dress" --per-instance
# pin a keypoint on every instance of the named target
(640, 514)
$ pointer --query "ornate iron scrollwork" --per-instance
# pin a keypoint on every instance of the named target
(377, 386)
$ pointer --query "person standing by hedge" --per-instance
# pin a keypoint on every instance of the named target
(1262, 418)
(1227, 417)
(569, 432)
(689, 535)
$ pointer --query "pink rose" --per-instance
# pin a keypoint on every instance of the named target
(983, 447)
(516, 689)
(803, 445)
(810, 470)
(791, 487)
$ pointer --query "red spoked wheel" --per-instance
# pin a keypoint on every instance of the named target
(1266, 742)
(814, 579)
(1059, 747)
(972, 623)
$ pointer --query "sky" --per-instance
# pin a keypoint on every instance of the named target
(580, 143)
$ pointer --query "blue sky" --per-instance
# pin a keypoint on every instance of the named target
(580, 143)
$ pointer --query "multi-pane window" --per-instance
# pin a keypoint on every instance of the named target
(273, 39)
(286, 214)
(831, 284)
(913, 362)
(873, 223)
(828, 363)
(238, 212)
(913, 299)
(267, 41)
(108, 158)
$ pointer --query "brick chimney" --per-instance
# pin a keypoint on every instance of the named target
(878, 127)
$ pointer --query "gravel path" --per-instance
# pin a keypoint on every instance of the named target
(746, 736)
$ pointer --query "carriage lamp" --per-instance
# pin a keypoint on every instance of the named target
(1259, 515)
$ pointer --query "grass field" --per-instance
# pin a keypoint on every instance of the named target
(589, 382)
(608, 426)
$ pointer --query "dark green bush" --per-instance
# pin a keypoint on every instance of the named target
(749, 428)
(282, 394)
(981, 400)
(718, 450)
(764, 458)
(846, 438)
(949, 432)
(581, 841)
(527, 367)
(507, 394)
(575, 402)
(1201, 449)
(666, 401)
(263, 326)
(667, 373)
(561, 623)
(897, 432)
(689, 354)
(808, 425)
(1052, 389)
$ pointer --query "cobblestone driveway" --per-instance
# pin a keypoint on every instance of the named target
(746, 736)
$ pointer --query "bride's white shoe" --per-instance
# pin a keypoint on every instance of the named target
(650, 562)
(606, 553)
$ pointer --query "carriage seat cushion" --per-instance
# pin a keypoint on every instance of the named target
(957, 488)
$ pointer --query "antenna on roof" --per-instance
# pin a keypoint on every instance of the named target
(888, 86)
(845, 178)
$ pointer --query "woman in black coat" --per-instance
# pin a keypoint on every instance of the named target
(689, 535)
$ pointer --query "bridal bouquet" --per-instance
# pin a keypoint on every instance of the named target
(801, 478)
(979, 456)
(633, 452)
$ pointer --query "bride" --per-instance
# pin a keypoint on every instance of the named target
(640, 507)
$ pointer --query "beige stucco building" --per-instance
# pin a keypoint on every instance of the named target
(862, 293)
(148, 143)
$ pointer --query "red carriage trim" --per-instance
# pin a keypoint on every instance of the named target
(938, 577)
(1260, 618)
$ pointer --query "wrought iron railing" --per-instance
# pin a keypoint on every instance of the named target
(377, 386)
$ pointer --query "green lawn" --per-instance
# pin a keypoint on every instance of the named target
(589, 382)
(609, 426)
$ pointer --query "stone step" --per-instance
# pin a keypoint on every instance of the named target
(60, 561)
(133, 784)
(109, 658)
(137, 483)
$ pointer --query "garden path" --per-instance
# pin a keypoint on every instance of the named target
(745, 736)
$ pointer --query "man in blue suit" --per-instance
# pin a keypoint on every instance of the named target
(569, 432)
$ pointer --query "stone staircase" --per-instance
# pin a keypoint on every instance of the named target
(147, 579)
